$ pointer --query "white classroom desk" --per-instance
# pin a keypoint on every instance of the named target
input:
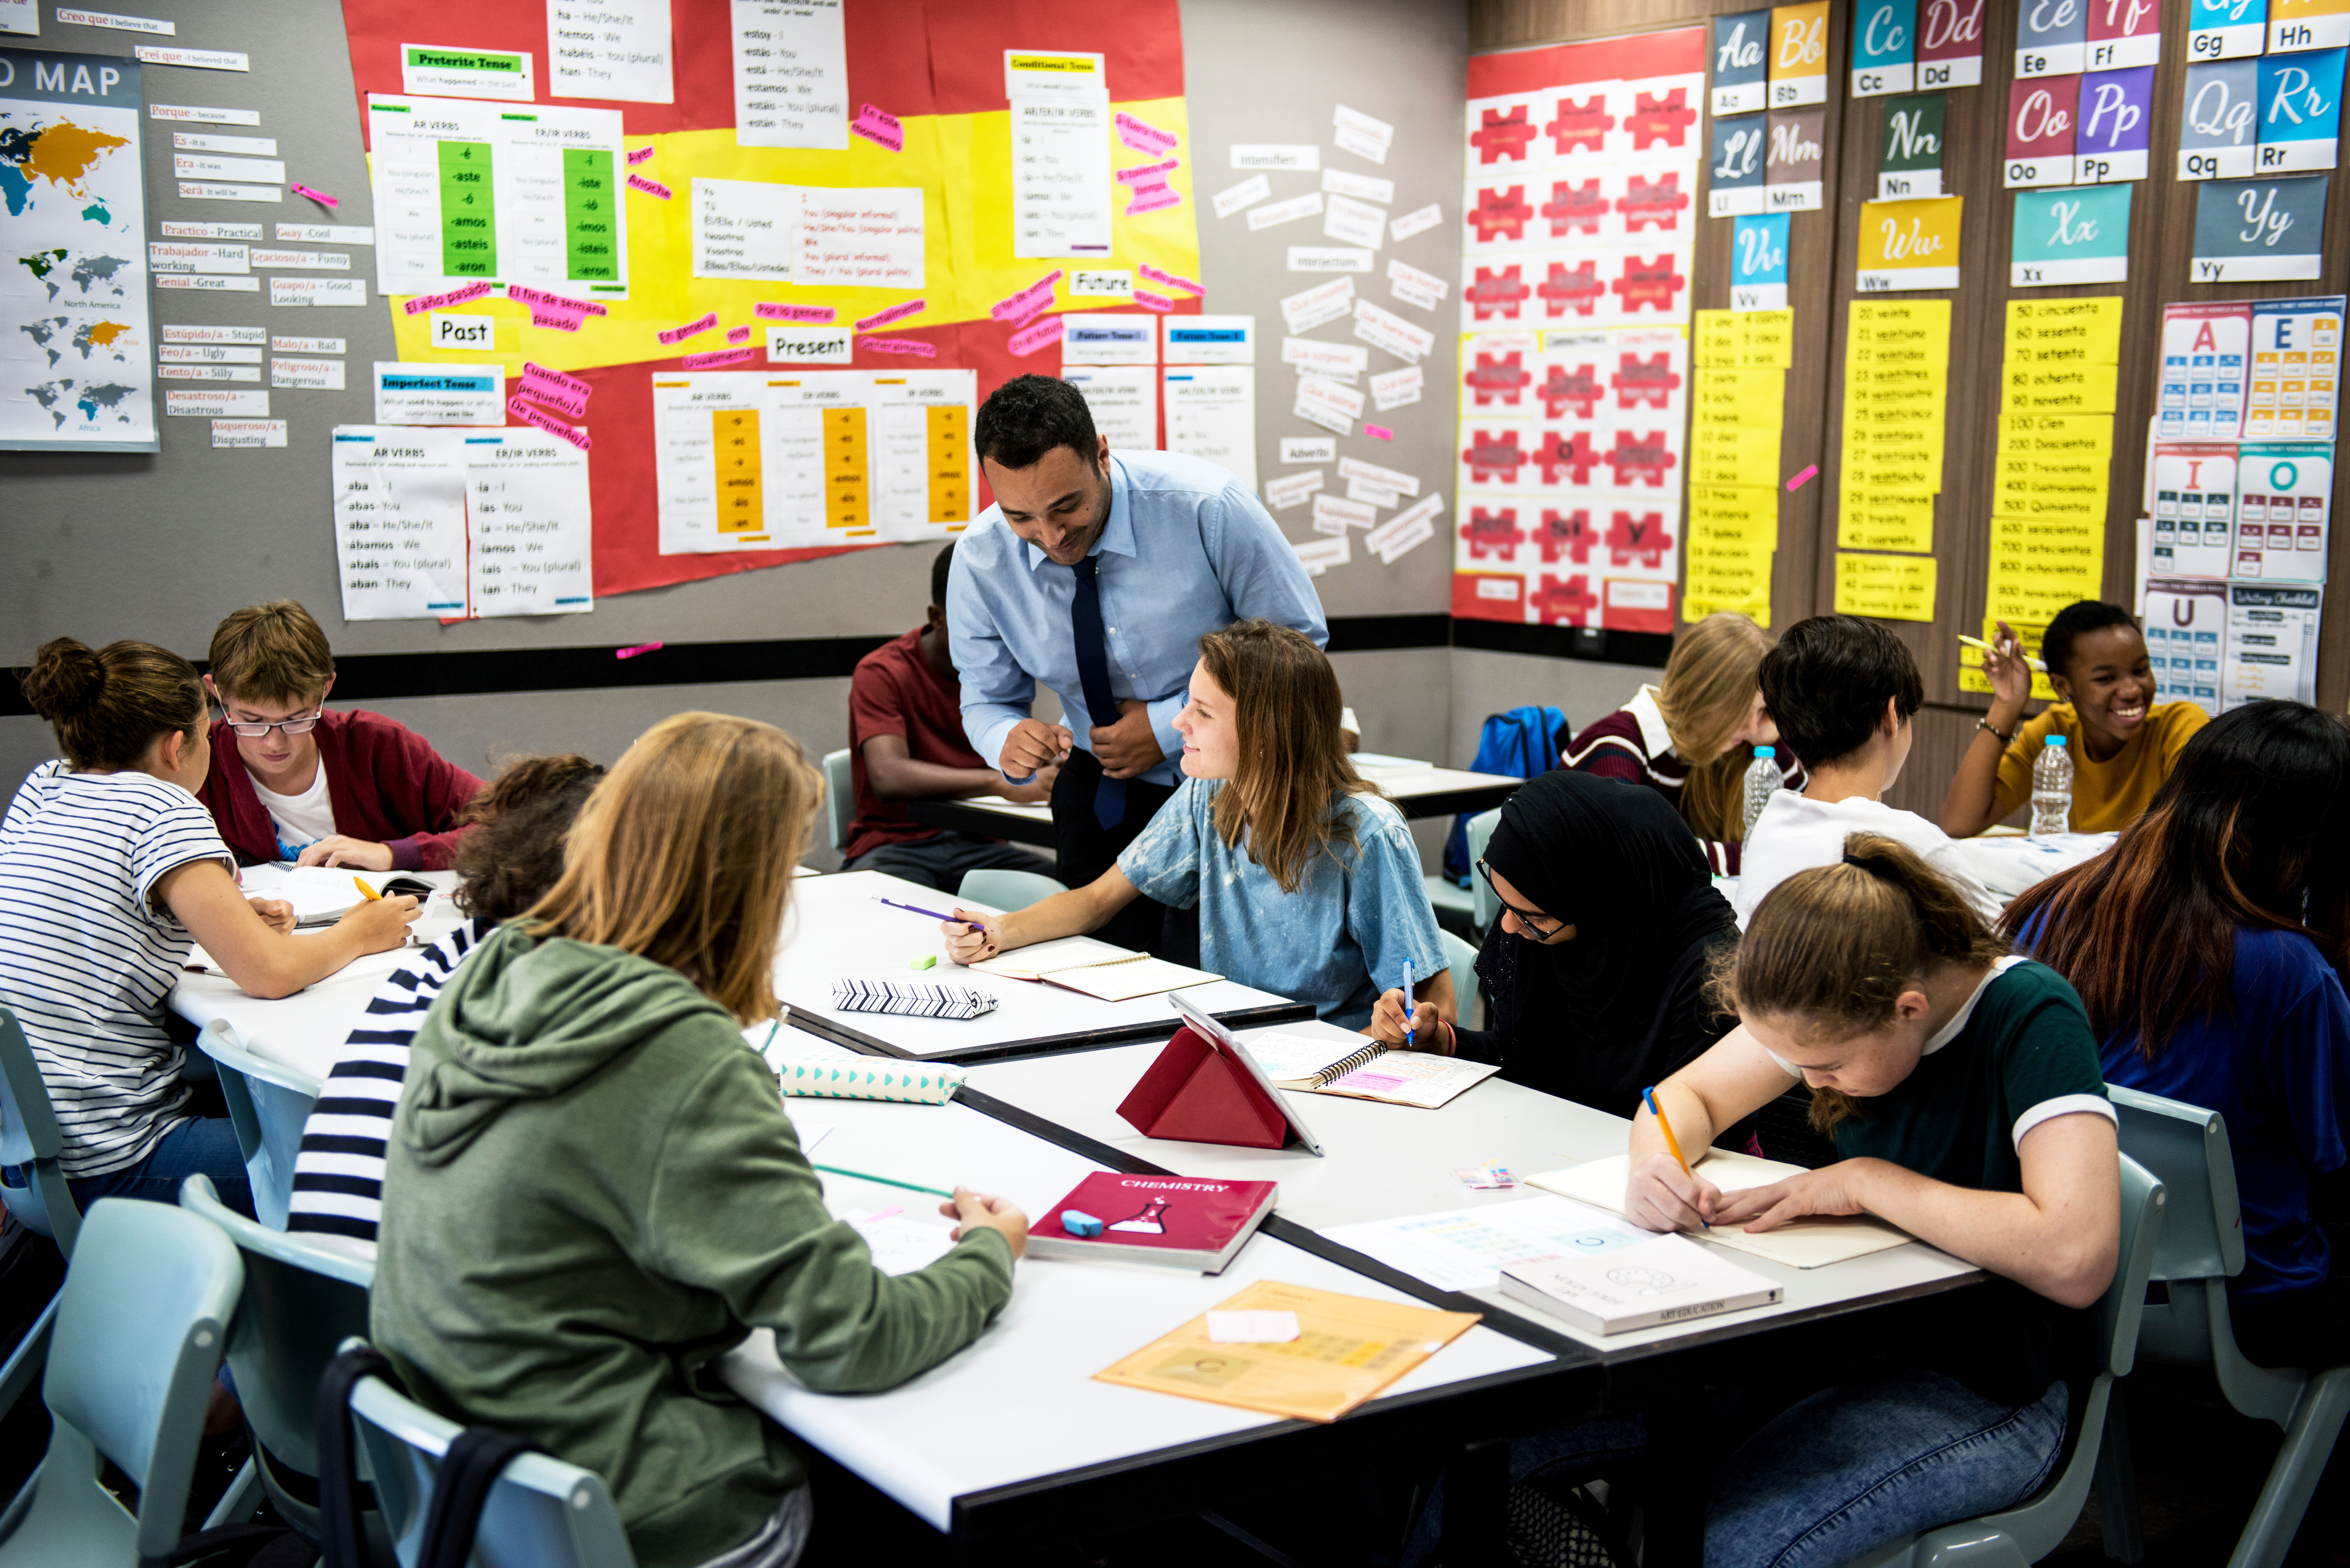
(1383, 1162)
(1020, 1403)
(836, 927)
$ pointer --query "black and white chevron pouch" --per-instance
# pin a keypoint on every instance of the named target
(914, 998)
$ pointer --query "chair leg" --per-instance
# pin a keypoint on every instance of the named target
(2117, 1515)
(31, 1354)
(238, 1503)
(2292, 1479)
(1477, 1505)
(21, 1503)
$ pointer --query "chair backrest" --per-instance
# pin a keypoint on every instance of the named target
(140, 1325)
(302, 1299)
(2144, 1208)
(1462, 959)
(2187, 1147)
(268, 1103)
(1007, 890)
(839, 796)
(1487, 907)
(541, 1513)
(31, 1140)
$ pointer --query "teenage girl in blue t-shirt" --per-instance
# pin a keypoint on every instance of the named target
(2207, 948)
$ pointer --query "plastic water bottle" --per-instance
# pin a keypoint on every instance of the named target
(2052, 790)
(1764, 780)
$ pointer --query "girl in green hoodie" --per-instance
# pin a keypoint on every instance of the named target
(592, 1191)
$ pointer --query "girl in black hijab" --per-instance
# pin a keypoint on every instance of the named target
(1597, 968)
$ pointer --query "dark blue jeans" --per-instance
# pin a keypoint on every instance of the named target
(206, 1146)
(1834, 1476)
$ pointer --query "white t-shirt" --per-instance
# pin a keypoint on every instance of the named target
(86, 958)
(1794, 834)
(300, 820)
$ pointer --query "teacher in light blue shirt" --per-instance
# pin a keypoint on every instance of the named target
(1096, 573)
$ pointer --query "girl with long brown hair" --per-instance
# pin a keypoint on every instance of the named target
(2207, 945)
(1307, 879)
(592, 1191)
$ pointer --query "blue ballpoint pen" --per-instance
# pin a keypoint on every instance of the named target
(1408, 1033)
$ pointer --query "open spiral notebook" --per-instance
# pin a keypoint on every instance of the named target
(1095, 969)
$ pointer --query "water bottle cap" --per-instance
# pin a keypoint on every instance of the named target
(1766, 750)
(2055, 740)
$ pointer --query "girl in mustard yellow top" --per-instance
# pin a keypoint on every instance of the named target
(2124, 742)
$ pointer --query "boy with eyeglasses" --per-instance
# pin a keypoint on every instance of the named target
(291, 781)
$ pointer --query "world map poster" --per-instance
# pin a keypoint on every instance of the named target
(76, 356)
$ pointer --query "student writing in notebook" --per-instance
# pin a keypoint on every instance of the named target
(593, 1192)
(512, 856)
(1305, 879)
(1597, 968)
(1961, 1087)
(2207, 945)
(109, 872)
(295, 782)
(2124, 742)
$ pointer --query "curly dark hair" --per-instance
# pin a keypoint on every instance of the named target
(1028, 416)
(515, 850)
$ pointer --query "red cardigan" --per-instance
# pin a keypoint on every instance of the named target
(385, 782)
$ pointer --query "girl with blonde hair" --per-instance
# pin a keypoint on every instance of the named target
(1307, 879)
(1691, 738)
(592, 1191)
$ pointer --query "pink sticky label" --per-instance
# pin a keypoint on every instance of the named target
(318, 196)
(1148, 174)
(898, 312)
(1045, 332)
(649, 187)
(1152, 199)
(691, 329)
(1378, 432)
(914, 346)
(555, 320)
(1142, 136)
(1153, 275)
(881, 128)
(547, 422)
(718, 357)
(1020, 306)
(555, 398)
(632, 652)
(1811, 471)
(424, 302)
(640, 155)
(530, 295)
(1374, 1083)
(534, 372)
(738, 335)
(817, 314)
(1149, 301)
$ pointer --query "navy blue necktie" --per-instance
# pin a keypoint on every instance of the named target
(1093, 677)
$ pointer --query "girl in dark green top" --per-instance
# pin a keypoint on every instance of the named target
(592, 1191)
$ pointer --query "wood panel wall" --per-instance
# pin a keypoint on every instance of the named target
(1823, 259)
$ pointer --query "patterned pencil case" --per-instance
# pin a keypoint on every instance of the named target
(867, 1078)
(913, 997)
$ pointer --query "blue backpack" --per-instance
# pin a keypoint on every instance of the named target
(1521, 743)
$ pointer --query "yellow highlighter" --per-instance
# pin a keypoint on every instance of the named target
(374, 896)
(1666, 1127)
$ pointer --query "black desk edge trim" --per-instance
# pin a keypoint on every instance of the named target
(828, 1028)
(376, 676)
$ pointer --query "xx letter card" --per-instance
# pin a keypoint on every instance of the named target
(2076, 234)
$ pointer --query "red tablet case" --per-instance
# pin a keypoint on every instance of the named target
(1195, 1093)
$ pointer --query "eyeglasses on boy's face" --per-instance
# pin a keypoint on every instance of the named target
(1539, 924)
(301, 724)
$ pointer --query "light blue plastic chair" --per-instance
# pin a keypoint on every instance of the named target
(303, 1297)
(540, 1513)
(839, 796)
(1007, 890)
(1462, 959)
(267, 1103)
(1484, 908)
(2036, 1526)
(30, 1140)
(145, 1312)
(2202, 1247)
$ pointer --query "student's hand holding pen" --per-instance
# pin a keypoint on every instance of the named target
(277, 912)
(1388, 1025)
(2010, 674)
(1662, 1194)
(972, 937)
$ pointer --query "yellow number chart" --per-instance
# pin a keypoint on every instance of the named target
(1738, 411)
(1896, 397)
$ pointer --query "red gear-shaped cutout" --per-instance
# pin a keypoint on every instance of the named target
(1659, 205)
(1650, 281)
(1667, 120)
(1579, 388)
(1493, 458)
(1566, 453)
(1578, 290)
(1501, 291)
(1644, 458)
(1564, 603)
(1640, 537)
(1648, 382)
(1573, 206)
(1501, 213)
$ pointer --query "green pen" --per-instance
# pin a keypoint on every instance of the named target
(887, 1180)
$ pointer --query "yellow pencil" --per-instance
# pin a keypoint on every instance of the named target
(374, 895)
(1672, 1143)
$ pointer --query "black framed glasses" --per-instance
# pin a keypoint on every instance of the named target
(301, 725)
(1542, 925)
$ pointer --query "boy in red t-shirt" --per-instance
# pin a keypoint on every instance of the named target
(906, 742)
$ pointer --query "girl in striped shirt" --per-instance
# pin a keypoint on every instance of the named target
(109, 871)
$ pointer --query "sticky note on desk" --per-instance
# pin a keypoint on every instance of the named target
(1255, 1326)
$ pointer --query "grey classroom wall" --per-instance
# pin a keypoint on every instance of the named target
(160, 546)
